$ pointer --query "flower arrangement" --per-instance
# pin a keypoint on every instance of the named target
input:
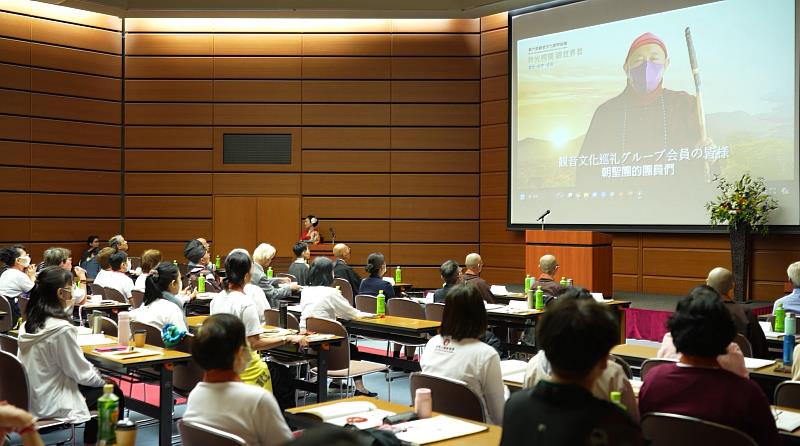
(742, 202)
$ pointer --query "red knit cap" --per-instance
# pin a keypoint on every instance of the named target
(644, 39)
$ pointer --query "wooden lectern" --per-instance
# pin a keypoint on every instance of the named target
(584, 256)
(321, 249)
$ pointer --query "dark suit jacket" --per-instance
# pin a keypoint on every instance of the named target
(747, 324)
(481, 285)
(345, 271)
(440, 294)
(371, 285)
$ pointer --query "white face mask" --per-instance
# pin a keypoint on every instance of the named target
(24, 261)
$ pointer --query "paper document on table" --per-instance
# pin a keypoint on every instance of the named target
(518, 304)
(439, 428)
(516, 378)
(498, 290)
(492, 306)
(83, 330)
(428, 299)
(338, 412)
(772, 335)
(512, 366)
(598, 297)
(388, 279)
(130, 354)
(94, 339)
(786, 420)
(295, 308)
(756, 363)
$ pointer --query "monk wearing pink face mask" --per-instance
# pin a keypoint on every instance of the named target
(645, 118)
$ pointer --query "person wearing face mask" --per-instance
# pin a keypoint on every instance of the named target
(63, 384)
(18, 277)
(645, 118)
(160, 306)
(222, 400)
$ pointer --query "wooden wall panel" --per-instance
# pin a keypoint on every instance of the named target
(347, 91)
(346, 138)
(345, 184)
(436, 45)
(346, 161)
(435, 68)
(86, 110)
(15, 26)
(165, 160)
(169, 68)
(74, 84)
(168, 207)
(78, 133)
(426, 278)
(436, 25)
(14, 51)
(77, 36)
(494, 160)
(436, 161)
(432, 254)
(494, 64)
(172, 114)
(434, 231)
(15, 153)
(356, 230)
(435, 91)
(165, 230)
(15, 128)
(12, 76)
(256, 45)
(440, 208)
(495, 41)
(70, 229)
(494, 207)
(256, 91)
(256, 184)
(15, 204)
(73, 205)
(347, 45)
(435, 115)
(168, 44)
(277, 222)
(257, 68)
(510, 276)
(82, 181)
(346, 114)
(75, 157)
(503, 255)
(15, 229)
(257, 114)
(15, 102)
(437, 185)
(495, 183)
(167, 184)
(346, 67)
(168, 91)
(435, 138)
(168, 137)
(347, 207)
(78, 61)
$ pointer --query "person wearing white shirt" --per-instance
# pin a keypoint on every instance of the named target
(260, 300)
(118, 280)
(221, 400)
(320, 299)
(150, 259)
(458, 354)
(20, 275)
(105, 272)
(234, 301)
(62, 383)
(157, 309)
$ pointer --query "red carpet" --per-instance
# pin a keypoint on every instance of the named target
(148, 393)
(652, 324)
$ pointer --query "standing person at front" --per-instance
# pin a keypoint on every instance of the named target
(697, 386)
(221, 400)
(63, 384)
(457, 353)
(561, 410)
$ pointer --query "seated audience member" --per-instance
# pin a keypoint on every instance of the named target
(791, 302)
(62, 383)
(255, 293)
(612, 379)
(721, 279)
(457, 353)
(118, 279)
(451, 274)
(561, 409)
(150, 259)
(731, 360)
(471, 276)
(20, 275)
(198, 258)
(211, 267)
(696, 386)
(160, 306)
(310, 234)
(344, 271)
(547, 279)
(221, 400)
(105, 272)
(376, 268)
(118, 243)
(234, 301)
(320, 299)
(93, 247)
(274, 292)
(14, 419)
(299, 268)
(62, 257)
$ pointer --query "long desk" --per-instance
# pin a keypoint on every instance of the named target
(165, 362)
(393, 328)
(490, 437)
(320, 345)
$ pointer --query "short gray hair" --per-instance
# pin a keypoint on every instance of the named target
(473, 260)
(56, 256)
(115, 241)
(794, 274)
(263, 252)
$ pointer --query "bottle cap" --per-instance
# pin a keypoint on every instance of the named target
(616, 396)
(126, 425)
(422, 391)
(108, 388)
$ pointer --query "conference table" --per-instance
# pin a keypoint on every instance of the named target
(489, 437)
(396, 329)
(318, 343)
(164, 361)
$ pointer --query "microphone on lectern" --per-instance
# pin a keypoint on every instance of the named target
(541, 217)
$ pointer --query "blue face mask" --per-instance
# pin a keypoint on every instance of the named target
(646, 77)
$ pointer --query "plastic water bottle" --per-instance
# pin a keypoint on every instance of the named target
(124, 330)
(564, 282)
(398, 275)
(201, 283)
(269, 273)
(780, 315)
(531, 295)
(380, 305)
(539, 298)
(107, 415)
(616, 398)
(216, 262)
(790, 329)
(174, 262)
(527, 283)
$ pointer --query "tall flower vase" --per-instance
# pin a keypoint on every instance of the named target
(741, 252)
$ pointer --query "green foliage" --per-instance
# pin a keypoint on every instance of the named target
(742, 202)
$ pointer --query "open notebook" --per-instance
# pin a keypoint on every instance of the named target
(513, 370)
(350, 412)
(438, 428)
(786, 420)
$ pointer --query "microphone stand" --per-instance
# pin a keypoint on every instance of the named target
(543, 217)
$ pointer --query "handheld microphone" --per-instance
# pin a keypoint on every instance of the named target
(333, 235)
(541, 217)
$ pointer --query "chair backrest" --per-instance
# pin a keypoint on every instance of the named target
(273, 317)
(664, 429)
(13, 381)
(22, 302)
(183, 268)
(186, 376)
(400, 306)
(366, 303)
(649, 364)
(339, 356)
(153, 333)
(196, 434)
(108, 326)
(434, 312)
(137, 298)
(346, 288)
(7, 323)
(290, 276)
(625, 366)
(449, 396)
(744, 344)
(97, 290)
(8, 344)
(787, 394)
(115, 295)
